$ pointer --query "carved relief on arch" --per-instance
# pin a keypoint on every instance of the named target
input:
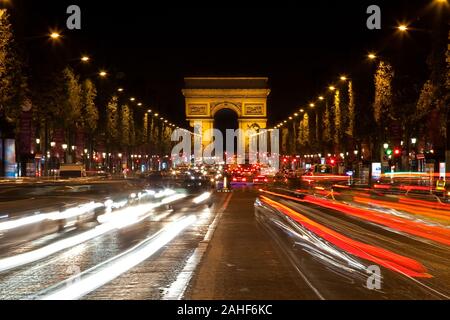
(217, 106)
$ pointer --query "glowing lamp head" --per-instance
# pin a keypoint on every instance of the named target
(55, 35)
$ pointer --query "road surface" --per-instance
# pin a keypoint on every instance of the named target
(135, 240)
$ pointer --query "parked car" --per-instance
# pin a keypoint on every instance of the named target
(72, 171)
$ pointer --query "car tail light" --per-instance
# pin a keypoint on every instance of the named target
(234, 179)
(265, 180)
(256, 180)
(244, 179)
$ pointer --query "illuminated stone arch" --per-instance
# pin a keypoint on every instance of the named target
(237, 108)
(247, 97)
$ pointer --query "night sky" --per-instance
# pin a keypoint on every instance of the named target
(149, 49)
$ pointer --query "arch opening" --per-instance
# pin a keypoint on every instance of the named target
(226, 119)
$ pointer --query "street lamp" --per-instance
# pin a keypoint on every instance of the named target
(413, 140)
(371, 56)
(52, 144)
(55, 35)
(386, 145)
(343, 78)
(120, 90)
(402, 28)
(132, 99)
(85, 58)
(312, 105)
(321, 98)
(38, 143)
(103, 74)
(64, 146)
(332, 88)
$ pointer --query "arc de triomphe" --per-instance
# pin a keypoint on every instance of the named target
(247, 97)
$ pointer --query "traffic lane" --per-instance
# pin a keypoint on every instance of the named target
(102, 218)
(333, 274)
(151, 278)
(25, 220)
(32, 280)
(242, 263)
(166, 275)
(24, 282)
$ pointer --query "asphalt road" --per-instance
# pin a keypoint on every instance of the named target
(335, 247)
(135, 240)
(139, 252)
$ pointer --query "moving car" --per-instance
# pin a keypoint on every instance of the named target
(260, 180)
(239, 179)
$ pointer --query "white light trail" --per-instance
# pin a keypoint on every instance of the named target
(76, 287)
(55, 215)
(202, 197)
(109, 221)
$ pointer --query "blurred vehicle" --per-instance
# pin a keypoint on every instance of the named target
(193, 183)
(319, 169)
(98, 174)
(72, 171)
(154, 176)
(240, 179)
(279, 178)
(260, 180)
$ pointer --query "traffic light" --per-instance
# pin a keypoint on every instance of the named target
(397, 152)
(388, 152)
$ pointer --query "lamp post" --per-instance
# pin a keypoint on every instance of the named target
(64, 146)
(85, 153)
(38, 158)
(120, 162)
(38, 145)
(74, 155)
(413, 148)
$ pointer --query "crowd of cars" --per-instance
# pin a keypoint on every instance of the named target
(230, 176)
